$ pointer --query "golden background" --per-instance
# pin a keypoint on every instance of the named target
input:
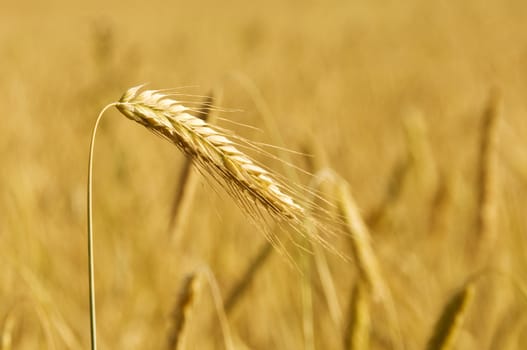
(393, 93)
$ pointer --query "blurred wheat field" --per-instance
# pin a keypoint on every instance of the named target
(419, 107)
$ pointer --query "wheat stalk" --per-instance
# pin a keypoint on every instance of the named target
(357, 334)
(264, 252)
(487, 169)
(367, 263)
(255, 189)
(182, 311)
(8, 328)
(392, 193)
(364, 256)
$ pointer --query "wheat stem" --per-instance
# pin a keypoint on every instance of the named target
(357, 334)
(487, 174)
(368, 266)
(187, 298)
(91, 279)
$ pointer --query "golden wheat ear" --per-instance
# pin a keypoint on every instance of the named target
(211, 149)
(254, 188)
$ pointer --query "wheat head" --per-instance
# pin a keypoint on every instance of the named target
(210, 149)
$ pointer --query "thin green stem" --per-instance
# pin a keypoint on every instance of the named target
(93, 329)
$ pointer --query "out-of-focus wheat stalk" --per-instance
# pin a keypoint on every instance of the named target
(441, 200)
(247, 277)
(364, 257)
(322, 183)
(420, 151)
(418, 161)
(451, 320)
(392, 193)
(507, 334)
(366, 260)
(487, 174)
(13, 325)
(357, 333)
(182, 311)
(220, 310)
(8, 327)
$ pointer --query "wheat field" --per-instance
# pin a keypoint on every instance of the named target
(407, 117)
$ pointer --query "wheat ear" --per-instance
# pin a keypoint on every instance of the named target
(255, 189)
(252, 186)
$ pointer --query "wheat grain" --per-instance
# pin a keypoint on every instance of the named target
(188, 180)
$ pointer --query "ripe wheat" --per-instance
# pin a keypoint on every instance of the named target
(255, 189)
(210, 149)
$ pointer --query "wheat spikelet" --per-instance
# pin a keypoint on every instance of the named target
(253, 187)
(449, 324)
(183, 197)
